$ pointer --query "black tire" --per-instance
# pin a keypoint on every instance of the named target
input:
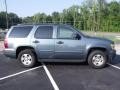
(33, 58)
(91, 60)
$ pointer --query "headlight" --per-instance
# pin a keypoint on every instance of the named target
(113, 46)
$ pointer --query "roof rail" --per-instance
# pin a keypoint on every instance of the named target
(38, 24)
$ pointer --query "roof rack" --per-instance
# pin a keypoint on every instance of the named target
(38, 24)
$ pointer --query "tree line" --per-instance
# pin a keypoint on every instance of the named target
(92, 15)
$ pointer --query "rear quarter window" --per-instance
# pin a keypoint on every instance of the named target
(20, 32)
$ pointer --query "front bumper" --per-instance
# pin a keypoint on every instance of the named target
(9, 53)
(112, 55)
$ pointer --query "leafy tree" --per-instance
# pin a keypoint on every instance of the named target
(55, 17)
(27, 20)
(39, 18)
(93, 15)
(3, 20)
(48, 19)
(12, 18)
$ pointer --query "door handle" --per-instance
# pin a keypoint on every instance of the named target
(36, 41)
(60, 42)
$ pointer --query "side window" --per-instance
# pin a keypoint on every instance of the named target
(20, 32)
(44, 32)
(65, 33)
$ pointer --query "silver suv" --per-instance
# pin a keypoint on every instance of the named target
(56, 43)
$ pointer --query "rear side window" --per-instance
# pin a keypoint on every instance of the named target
(44, 32)
(20, 32)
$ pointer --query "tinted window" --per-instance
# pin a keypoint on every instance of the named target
(20, 32)
(44, 32)
(64, 32)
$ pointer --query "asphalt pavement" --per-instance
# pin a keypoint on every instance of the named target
(58, 76)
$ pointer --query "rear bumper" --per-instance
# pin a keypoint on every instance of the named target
(112, 55)
(9, 53)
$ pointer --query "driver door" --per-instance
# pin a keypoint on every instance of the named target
(66, 45)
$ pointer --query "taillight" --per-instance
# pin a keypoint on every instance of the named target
(6, 43)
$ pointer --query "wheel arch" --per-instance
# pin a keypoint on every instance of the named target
(96, 48)
(20, 48)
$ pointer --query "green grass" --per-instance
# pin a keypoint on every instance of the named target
(113, 38)
(110, 36)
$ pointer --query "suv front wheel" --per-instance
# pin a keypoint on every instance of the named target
(27, 58)
(97, 59)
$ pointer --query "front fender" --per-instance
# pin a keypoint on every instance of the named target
(96, 46)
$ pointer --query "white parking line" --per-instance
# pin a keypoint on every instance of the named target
(50, 77)
(12, 75)
(114, 66)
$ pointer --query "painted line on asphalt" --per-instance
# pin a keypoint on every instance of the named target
(16, 74)
(114, 66)
(50, 77)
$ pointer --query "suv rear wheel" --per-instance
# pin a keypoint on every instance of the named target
(27, 58)
(97, 59)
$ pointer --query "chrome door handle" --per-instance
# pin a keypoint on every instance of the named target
(36, 41)
(60, 42)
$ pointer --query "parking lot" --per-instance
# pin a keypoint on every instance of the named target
(58, 76)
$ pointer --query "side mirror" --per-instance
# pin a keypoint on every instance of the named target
(77, 36)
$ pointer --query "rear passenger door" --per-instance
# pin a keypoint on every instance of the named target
(44, 42)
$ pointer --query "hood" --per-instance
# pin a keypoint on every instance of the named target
(99, 38)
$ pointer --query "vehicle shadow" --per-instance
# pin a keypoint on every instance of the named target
(66, 63)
